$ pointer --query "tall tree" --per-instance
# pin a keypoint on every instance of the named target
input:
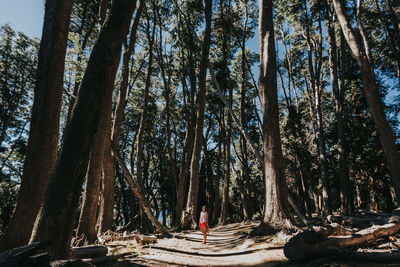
(150, 33)
(57, 216)
(106, 209)
(190, 215)
(276, 205)
(346, 204)
(371, 92)
(44, 126)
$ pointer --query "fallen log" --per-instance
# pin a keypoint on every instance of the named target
(28, 255)
(87, 252)
(71, 263)
(321, 242)
(363, 221)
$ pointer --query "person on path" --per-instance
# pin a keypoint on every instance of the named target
(203, 222)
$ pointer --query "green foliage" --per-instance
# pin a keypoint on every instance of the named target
(18, 59)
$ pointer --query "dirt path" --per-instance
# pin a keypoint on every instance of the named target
(227, 245)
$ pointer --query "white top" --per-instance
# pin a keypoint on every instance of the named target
(203, 216)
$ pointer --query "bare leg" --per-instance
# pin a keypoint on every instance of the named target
(204, 237)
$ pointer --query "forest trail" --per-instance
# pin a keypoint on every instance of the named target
(227, 245)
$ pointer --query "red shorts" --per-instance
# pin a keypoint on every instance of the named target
(204, 227)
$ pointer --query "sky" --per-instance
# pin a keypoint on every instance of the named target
(23, 15)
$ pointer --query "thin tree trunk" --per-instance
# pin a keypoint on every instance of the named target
(316, 88)
(214, 217)
(142, 125)
(144, 203)
(346, 204)
(44, 126)
(189, 218)
(276, 206)
(56, 219)
(371, 93)
(167, 92)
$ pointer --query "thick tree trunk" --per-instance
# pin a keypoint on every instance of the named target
(189, 140)
(57, 216)
(276, 213)
(346, 204)
(371, 93)
(189, 218)
(105, 217)
(44, 126)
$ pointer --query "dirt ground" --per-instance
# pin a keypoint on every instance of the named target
(227, 245)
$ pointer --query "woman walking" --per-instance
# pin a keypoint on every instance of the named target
(203, 222)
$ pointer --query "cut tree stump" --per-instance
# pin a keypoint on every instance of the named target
(87, 252)
(322, 242)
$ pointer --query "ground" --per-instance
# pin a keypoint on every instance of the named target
(228, 245)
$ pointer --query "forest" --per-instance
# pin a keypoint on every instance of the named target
(128, 116)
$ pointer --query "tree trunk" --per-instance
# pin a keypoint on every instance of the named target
(57, 216)
(395, 7)
(189, 141)
(315, 72)
(346, 204)
(144, 203)
(226, 87)
(214, 217)
(189, 218)
(276, 206)
(44, 126)
(245, 172)
(105, 217)
(145, 226)
(167, 92)
(371, 93)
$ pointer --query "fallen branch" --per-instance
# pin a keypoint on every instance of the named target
(141, 197)
(28, 255)
(317, 243)
(363, 221)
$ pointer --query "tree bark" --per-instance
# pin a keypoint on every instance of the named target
(371, 93)
(228, 130)
(346, 204)
(245, 172)
(311, 244)
(135, 187)
(105, 217)
(143, 118)
(189, 218)
(315, 72)
(276, 206)
(57, 216)
(44, 126)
